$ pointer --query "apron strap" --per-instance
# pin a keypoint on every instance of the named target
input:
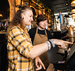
(37, 31)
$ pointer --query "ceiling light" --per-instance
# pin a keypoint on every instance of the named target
(73, 15)
(1, 15)
(73, 10)
(73, 3)
(66, 3)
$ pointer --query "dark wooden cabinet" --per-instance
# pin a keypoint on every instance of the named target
(3, 53)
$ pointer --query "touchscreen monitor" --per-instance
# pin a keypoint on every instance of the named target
(71, 56)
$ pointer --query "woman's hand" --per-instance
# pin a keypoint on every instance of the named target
(60, 43)
(39, 64)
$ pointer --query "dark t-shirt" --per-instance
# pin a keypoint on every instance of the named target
(33, 31)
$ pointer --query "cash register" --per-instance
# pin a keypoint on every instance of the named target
(68, 64)
(71, 58)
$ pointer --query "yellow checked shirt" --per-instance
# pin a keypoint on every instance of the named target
(19, 45)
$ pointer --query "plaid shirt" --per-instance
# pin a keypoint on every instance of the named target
(19, 46)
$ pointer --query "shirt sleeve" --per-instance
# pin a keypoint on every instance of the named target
(20, 42)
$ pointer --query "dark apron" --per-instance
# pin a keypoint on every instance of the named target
(38, 39)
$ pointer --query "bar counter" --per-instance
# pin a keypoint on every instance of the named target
(1, 32)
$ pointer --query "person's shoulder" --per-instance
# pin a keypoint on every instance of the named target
(32, 29)
(47, 30)
(32, 32)
(15, 28)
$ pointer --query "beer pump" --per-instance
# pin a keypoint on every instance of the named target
(71, 34)
(71, 37)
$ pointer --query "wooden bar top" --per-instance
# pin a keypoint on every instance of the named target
(1, 32)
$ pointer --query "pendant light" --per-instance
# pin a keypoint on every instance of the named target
(73, 10)
(73, 3)
(1, 15)
(73, 15)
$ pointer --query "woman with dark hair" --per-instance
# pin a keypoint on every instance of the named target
(21, 52)
(39, 35)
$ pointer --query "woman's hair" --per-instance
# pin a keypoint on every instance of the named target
(17, 19)
(41, 17)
